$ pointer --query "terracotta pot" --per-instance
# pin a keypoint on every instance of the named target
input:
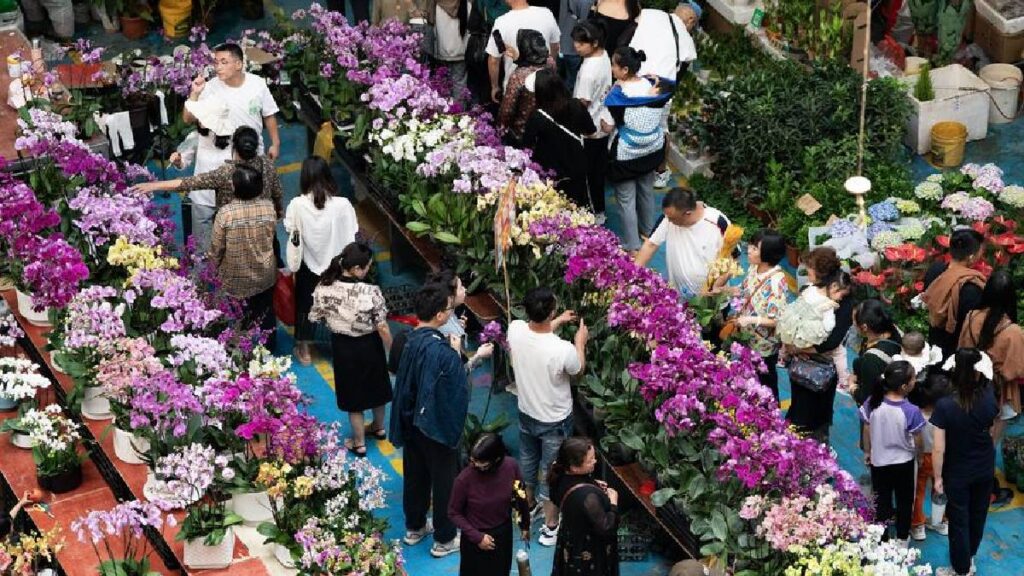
(793, 255)
(133, 27)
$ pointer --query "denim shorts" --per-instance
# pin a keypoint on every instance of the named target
(538, 445)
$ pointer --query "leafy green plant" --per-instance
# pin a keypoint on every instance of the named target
(923, 90)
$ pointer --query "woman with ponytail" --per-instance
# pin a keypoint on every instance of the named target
(964, 456)
(637, 149)
(587, 543)
(357, 315)
(323, 223)
(892, 438)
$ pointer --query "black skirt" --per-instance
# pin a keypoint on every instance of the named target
(811, 412)
(361, 379)
(477, 562)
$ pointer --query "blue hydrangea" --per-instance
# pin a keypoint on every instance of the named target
(876, 227)
(884, 211)
(842, 228)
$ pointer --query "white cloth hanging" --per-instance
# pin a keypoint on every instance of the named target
(118, 128)
(163, 107)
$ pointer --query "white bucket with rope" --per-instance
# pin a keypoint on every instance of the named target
(1005, 81)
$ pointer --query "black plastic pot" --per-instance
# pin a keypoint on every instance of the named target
(64, 482)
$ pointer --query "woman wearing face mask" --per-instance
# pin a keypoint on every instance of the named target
(482, 499)
(587, 537)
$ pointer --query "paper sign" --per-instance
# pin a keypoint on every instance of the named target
(808, 204)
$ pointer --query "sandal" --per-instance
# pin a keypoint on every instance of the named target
(303, 354)
(357, 451)
(377, 433)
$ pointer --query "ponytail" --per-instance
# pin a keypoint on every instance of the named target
(571, 453)
(897, 374)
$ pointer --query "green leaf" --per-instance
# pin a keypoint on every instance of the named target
(447, 237)
(417, 227)
(719, 527)
(662, 496)
(419, 208)
(712, 549)
(631, 439)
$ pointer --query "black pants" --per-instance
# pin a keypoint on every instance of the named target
(966, 511)
(770, 379)
(260, 310)
(899, 481)
(430, 469)
(596, 150)
(305, 283)
(475, 562)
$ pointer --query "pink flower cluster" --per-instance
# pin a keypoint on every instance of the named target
(129, 361)
(802, 520)
(692, 389)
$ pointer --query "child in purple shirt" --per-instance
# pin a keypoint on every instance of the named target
(892, 439)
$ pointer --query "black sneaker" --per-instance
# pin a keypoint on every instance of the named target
(1001, 497)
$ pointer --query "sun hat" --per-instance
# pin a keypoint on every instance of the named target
(212, 113)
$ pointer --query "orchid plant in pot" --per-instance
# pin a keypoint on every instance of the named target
(55, 440)
(10, 331)
(127, 360)
(30, 553)
(196, 476)
(118, 539)
(19, 381)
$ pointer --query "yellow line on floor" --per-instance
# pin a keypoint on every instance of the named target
(784, 405)
(397, 465)
(289, 168)
(324, 368)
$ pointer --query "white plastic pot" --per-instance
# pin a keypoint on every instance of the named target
(1005, 80)
(95, 406)
(21, 440)
(253, 507)
(25, 307)
(128, 447)
(199, 555)
(284, 556)
(154, 489)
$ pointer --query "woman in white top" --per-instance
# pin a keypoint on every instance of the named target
(326, 224)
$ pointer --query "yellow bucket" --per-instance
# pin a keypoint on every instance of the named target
(177, 15)
(948, 142)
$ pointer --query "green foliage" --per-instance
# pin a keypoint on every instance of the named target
(812, 27)
(728, 54)
(923, 90)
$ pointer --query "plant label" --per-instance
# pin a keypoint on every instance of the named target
(808, 204)
(757, 18)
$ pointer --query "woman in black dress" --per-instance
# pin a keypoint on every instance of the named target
(357, 316)
(618, 18)
(587, 537)
(555, 133)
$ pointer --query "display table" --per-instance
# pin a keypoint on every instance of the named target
(107, 479)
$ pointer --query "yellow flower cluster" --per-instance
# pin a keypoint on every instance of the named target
(30, 549)
(723, 267)
(136, 257)
(534, 203)
(828, 561)
(599, 299)
(273, 478)
(303, 487)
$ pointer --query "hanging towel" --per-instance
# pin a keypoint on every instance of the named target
(118, 129)
(163, 107)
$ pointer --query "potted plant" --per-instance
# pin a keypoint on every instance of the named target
(120, 529)
(135, 18)
(116, 373)
(32, 553)
(18, 430)
(19, 381)
(197, 478)
(10, 331)
(55, 441)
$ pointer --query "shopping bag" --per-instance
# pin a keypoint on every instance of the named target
(284, 298)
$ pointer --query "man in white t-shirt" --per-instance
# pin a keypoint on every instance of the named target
(693, 233)
(666, 42)
(249, 104)
(521, 16)
(543, 365)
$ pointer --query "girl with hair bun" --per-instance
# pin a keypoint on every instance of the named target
(892, 439)
(637, 149)
(355, 312)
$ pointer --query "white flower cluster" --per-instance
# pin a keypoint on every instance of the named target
(20, 378)
(410, 140)
(50, 430)
(266, 365)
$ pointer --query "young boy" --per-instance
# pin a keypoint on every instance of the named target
(920, 354)
(593, 81)
(925, 395)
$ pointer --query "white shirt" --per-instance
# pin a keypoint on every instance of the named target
(542, 364)
(208, 158)
(690, 251)
(324, 233)
(593, 82)
(654, 36)
(451, 45)
(248, 104)
(509, 25)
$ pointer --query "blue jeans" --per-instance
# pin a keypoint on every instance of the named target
(538, 445)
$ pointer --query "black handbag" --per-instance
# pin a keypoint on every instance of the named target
(815, 372)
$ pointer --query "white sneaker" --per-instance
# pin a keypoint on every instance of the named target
(917, 533)
(442, 549)
(948, 571)
(662, 179)
(414, 537)
(548, 536)
(941, 529)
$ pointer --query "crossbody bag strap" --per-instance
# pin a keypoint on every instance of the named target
(756, 289)
(570, 491)
(675, 36)
(574, 135)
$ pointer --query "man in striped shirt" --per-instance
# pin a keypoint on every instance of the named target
(242, 248)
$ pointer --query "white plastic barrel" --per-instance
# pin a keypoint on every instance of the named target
(1005, 80)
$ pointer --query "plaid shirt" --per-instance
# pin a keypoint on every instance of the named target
(219, 180)
(243, 247)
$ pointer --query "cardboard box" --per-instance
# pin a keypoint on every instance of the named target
(1001, 47)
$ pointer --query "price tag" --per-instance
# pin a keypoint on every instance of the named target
(808, 204)
(757, 18)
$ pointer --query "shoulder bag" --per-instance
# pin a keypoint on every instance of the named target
(293, 250)
(814, 372)
(730, 326)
